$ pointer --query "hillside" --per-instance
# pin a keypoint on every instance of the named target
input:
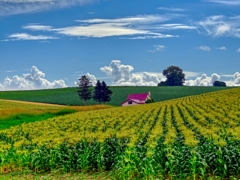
(68, 96)
(184, 138)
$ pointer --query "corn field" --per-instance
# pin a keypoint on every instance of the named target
(192, 137)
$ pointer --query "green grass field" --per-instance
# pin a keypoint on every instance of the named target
(18, 119)
(68, 96)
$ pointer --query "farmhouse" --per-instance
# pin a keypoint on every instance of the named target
(134, 99)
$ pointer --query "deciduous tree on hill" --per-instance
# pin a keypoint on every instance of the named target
(84, 91)
(174, 75)
(219, 83)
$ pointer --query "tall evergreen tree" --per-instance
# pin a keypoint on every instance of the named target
(106, 93)
(84, 91)
(97, 94)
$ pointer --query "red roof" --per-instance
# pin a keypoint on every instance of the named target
(140, 97)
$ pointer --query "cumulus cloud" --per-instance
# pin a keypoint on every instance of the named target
(203, 80)
(220, 25)
(204, 48)
(238, 50)
(33, 80)
(92, 78)
(235, 80)
(222, 48)
(122, 75)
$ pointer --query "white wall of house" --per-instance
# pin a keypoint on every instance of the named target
(127, 104)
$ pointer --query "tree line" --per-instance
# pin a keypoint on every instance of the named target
(101, 92)
(175, 77)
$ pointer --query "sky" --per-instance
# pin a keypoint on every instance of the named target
(52, 43)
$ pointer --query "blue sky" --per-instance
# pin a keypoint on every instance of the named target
(51, 43)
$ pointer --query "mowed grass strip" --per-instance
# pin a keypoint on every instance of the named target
(69, 96)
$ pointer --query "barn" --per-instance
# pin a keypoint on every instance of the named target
(135, 99)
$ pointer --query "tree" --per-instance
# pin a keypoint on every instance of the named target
(219, 83)
(84, 91)
(174, 75)
(97, 94)
(106, 93)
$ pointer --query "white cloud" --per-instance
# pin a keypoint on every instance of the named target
(226, 2)
(33, 80)
(204, 48)
(9, 71)
(100, 30)
(190, 74)
(203, 80)
(157, 36)
(238, 50)
(141, 19)
(37, 27)
(220, 25)
(118, 71)
(175, 27)
(25, 36)
(122, 75)
(134, 27)
(221, 48)
(157, 48)
(172, 9)
(92, 78)
(235, 81)
(25, 1)
(9, 7)
(236, 78)
(128, 26)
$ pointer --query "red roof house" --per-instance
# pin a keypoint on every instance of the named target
(134, 99)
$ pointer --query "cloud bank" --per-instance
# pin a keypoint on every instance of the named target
(122, 75)
(33, 80)
(205, 80)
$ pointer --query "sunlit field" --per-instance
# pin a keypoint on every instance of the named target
(13, 113)
(193, 137)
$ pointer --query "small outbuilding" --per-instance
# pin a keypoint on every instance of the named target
(135, 99)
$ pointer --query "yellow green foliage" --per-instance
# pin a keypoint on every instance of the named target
(213, 115)
(10, 108)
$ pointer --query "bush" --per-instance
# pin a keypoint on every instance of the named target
(149, 101)
(219, 83)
